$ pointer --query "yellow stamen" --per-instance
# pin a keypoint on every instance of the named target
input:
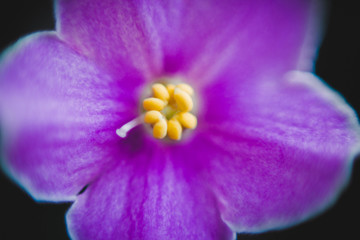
(187, 120)
(174, 129)
(160, 92)
(186, 87)
(153, 104)
(170, 88)
(183, 100)
(160, 129)
(168, 110)
(152, 117)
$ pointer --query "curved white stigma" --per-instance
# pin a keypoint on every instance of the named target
(124, 129)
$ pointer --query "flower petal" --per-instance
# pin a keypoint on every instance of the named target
(149, 196)
(198, 38)
(110, 32)
(275, 152)
(58, 117)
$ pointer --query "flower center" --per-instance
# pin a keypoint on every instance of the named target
(168, 110)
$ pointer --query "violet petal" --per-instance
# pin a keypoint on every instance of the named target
(147, 197)
(58, 115)
(195, 38)
(275, 158)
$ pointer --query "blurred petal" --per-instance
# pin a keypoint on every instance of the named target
(198, 38)
(58, 114)
(149, 196)
(313, 36)
(111, 32)
(275, 152)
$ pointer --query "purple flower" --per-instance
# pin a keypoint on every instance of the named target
(273, 145)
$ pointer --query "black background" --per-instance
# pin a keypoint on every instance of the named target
(338, 64)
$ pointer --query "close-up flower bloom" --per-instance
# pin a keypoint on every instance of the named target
(176, 119)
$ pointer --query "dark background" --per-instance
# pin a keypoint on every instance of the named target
(338, 63)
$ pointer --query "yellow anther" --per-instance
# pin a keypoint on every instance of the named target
(170, 88)
(153, 104)
(160, 92)
(160, 129)
(183, 100)
(167, 111)
(174, 129)
(152, 117)
(186, 87)
(187, 120)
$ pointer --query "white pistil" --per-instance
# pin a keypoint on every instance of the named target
(124, 129)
